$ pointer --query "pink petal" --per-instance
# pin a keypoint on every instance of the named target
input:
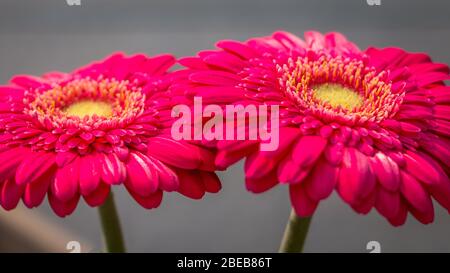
(190, 185)
(260, 163)
(231, 152)
(257, 166)
(89, 173)
(10, 160)
(176, 153)
(98, 196)
(420, 168)
(65, 185)
(415, 194)
(113, 171)
(149, 202)
(193, 62)
(168, 179)
(315, 40)
(158, 65)
(289, 172)
(62, 209)
(261, 184)
(400, 218)
(211, 182)
(423, 217)
(237, 48)
(226, 61)
(35, 191)
(387, 203)
(217, 94)
(303, 205)
(386, 171)
(141, 176)
(34, 166)
(322, 180)
(337, 41)
(289, 40)
(214, 78)
(63, 158)
(356, 180)
(334, 153)
(30, 82)
(11, 193)
(365, 205)
(307, 150)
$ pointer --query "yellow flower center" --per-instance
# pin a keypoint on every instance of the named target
(338, 96)
(89, 108)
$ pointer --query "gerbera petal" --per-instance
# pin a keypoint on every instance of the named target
(387, 202)
(168, 180)
(190, 186)
(337, 41)
(289, 172)
(35, 191)
(303, 205)
(304, 155)
(315, 40)
(211, 182)
(149, 202)
(214, 78)
(321, 181)
(231, 152)
(98, 196)
(178, 154)
(89, 168)
(356, 179)
(262, 184)
(113, 170)
(365, 205)
(289, 40)
(141, 175)
(225, 61)
(420, 168)
(63, 209)
(401, 216)
(415, 194)
(386, 171)
(11, 193)
(237, 48)
(65, 185)
(10, 160)
(34, 166)
(159, 64)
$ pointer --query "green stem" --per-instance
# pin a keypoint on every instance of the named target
(112, 232)
(295, 234)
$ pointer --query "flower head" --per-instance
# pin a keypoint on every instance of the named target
(77, 134)
(374, 124)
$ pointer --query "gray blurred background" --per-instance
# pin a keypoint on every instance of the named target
(44, 35)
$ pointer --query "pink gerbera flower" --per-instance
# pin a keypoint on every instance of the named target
(77, 134)
(374, 124)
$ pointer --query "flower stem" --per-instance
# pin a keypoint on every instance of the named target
(112, 232)
(295, 234)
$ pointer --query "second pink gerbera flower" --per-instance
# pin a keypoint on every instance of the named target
(374, 125)
(72, 135)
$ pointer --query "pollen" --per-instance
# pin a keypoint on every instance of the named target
(340, 88)
(338, 96)
(89, 108)
(86, 102)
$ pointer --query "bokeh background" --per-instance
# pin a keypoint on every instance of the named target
(38, 36)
